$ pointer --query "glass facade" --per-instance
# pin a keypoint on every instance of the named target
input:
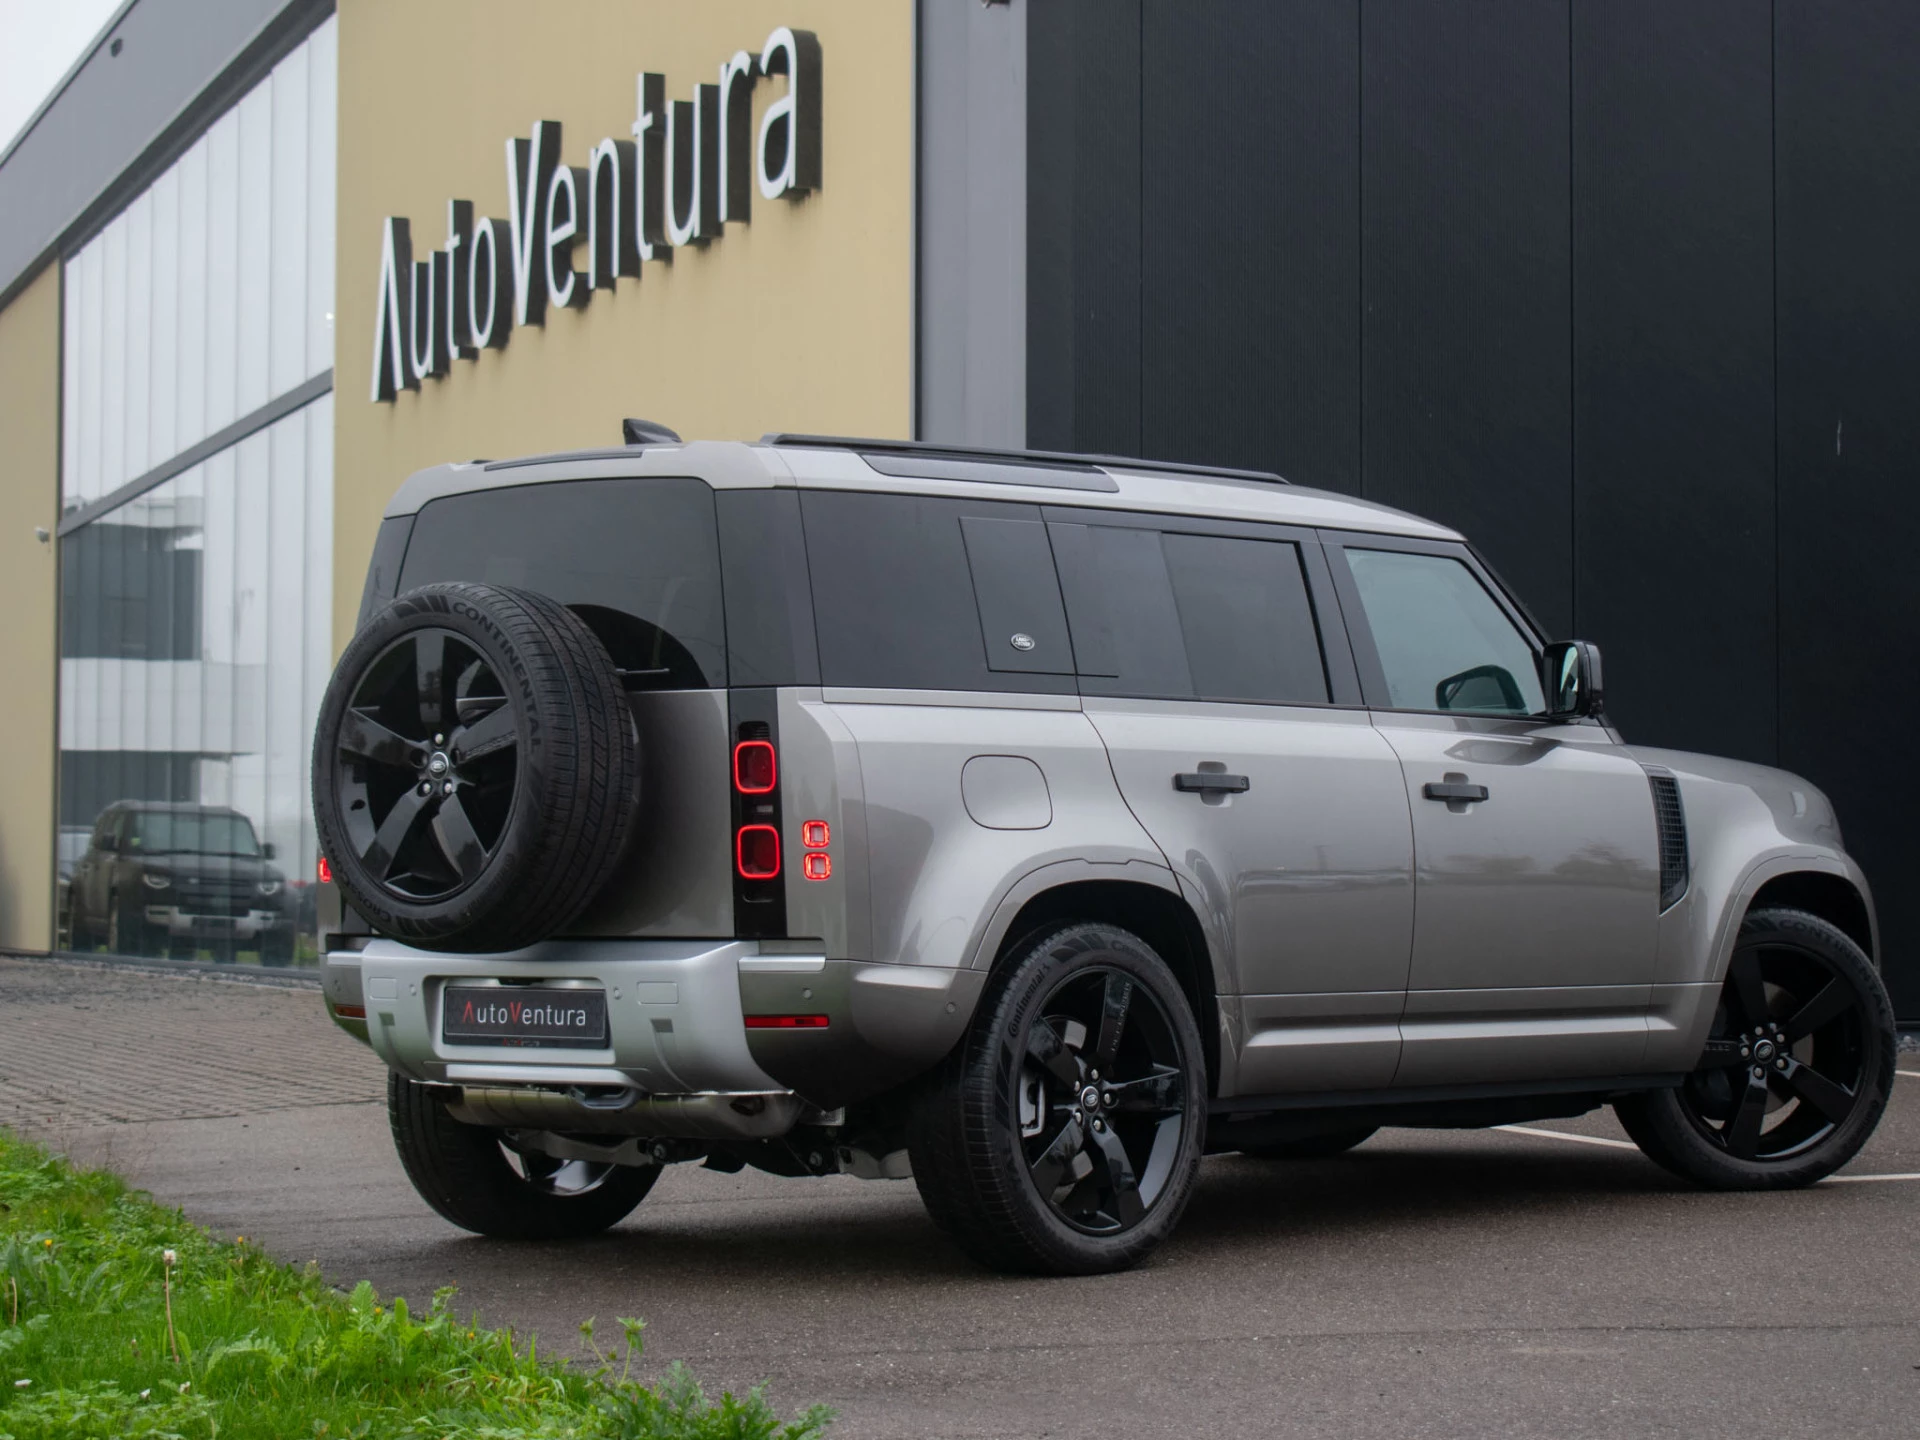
(196, 602)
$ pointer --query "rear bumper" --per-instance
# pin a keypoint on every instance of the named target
(676, 1017)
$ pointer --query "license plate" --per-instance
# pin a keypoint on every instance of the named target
(524, 1015)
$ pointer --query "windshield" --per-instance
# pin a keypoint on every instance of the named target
(192, 832)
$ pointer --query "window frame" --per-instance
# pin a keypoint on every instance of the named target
(1366, 655)
(1323, 598)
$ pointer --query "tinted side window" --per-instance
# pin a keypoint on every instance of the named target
(1175, 616)
(636, 559)
(763, 556)
(1247, 620)
(1444, 643)
(905, 593)
(383, 570)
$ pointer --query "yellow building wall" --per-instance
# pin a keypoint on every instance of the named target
(799, 320)
(29, 600)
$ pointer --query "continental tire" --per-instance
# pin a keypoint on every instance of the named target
(470, 1177)
(475, 768)
(1797, 1068)
(1063, 1135)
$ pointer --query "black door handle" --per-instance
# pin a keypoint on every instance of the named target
(1212, 782)
(1454, 790)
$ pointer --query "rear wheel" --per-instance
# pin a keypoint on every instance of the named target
(1313, 1147)
(1064, 1134)
(1797, 1067)
(471, 1176)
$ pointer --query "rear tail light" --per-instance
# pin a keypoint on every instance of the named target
(756, 852)
(351, 1012)
(816, 866)
(755, 771)
(786, 1022)
(326, 871)
(814, 834)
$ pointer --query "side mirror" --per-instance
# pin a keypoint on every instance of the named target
(266, 849)
(1570, 673)
(109, 842)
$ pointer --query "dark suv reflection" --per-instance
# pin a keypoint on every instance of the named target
(168, 879)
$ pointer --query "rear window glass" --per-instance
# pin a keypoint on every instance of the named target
(924, 593)
(638, 560)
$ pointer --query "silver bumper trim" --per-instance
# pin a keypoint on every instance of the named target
(673, 1014)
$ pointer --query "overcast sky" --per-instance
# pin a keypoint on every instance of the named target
(39, 39)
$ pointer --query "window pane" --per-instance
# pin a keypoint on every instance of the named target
(211, 292)
(1120, 605)
(893, 593)
(1443, 641)
(1246, 619)
(190, 672)
(638, 559)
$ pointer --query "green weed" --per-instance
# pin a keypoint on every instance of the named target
(268, 1351)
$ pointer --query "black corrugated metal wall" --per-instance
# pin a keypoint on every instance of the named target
(1625, 289)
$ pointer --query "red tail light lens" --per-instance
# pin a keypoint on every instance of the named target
(326, 871)
(756, 851)
(754, 770)
(786, 1022)
(814, 834)
(817, 866)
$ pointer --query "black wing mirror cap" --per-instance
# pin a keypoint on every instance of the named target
(1571, 675)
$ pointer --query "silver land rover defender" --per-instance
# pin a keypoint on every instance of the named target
(1031, 825)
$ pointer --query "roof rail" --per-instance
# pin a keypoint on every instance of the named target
(1013, 457)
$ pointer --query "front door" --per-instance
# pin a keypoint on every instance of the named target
(1281, 812)
(1535, 844)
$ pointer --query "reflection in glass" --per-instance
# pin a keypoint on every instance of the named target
(194, 645)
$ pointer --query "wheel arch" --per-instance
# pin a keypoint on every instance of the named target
(1158, 915)
(1833, 898)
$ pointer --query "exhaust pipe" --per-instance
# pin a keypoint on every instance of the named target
(710, 1116)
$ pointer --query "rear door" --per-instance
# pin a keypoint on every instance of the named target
(1239, 743)
(1537, 874)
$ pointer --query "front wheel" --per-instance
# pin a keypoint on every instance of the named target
(1797, 1067)
(1064, 1134)
(472, 1177)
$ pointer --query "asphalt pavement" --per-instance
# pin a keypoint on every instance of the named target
(1513, 1283)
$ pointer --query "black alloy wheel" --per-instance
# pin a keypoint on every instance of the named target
(475, 768)
(428, 753)
(1063, 1135)
(1796, 1069)
(1102, 1101)
(546, 1175)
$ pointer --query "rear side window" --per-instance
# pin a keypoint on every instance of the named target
(638, 560)
(1190, 617)
(923, 593)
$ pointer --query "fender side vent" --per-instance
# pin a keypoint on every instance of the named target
(1671, 821)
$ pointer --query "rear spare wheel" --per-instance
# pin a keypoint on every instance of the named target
(475, 768)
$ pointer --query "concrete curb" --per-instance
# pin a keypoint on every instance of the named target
(274, 979)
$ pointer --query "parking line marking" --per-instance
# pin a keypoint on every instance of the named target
(1575, 1139)
(1629, 1145)
(1910, 1074)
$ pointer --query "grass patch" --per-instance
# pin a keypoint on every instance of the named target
(88, 1349)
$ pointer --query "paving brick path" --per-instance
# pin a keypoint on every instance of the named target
(90, 1045)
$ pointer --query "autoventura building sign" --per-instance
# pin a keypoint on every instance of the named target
(691, 166)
